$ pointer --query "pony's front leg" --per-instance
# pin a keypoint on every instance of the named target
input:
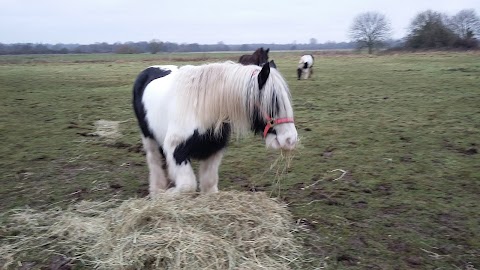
(179, 167)
(208, 173)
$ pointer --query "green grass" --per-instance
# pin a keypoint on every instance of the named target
(405, 128)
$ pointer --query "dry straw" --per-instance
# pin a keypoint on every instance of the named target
(282, 164)
(227, 230)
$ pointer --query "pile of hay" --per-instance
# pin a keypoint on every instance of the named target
(227, 230)
(107, 129)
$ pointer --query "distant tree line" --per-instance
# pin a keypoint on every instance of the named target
(157, 46)
(370, 30)
(428, 30)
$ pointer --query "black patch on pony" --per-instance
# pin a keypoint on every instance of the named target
(299, 73)
(305, 65)
(143, 79)
(202, 146)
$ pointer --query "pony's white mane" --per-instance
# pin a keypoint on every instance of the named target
(229, 92)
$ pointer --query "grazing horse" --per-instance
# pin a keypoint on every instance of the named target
(305, 67)
(190, 112)
(259, 57)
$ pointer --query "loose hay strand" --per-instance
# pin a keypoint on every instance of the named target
(282, 164)
(228, 230)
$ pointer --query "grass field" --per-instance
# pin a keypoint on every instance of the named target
(388, 176)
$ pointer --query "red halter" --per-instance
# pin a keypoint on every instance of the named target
(272, 122)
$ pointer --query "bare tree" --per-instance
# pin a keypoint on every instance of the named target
(429, 30)
(427, 18)
(370, 30)
(466, 24)
(155, 46)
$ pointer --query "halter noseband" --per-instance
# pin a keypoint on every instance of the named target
(272, 122)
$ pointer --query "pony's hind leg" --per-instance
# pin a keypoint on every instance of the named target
(158, 182)
(208, 173)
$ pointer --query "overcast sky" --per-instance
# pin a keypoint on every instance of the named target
(202, 21)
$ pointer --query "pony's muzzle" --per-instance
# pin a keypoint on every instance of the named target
(289, 143)
(285, 139)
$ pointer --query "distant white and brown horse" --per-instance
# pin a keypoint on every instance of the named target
(305, 67)
(190, 112)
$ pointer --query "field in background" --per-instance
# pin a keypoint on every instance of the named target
(387, 176)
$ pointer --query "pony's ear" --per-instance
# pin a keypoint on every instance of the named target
(272, 64)
(263, 75)
(267, 50)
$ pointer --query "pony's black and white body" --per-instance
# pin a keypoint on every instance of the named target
(305, 67)
(189, 113)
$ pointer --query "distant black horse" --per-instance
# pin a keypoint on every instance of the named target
(259, 58)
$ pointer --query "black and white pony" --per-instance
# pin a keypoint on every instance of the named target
(189, 113)
(305, 67)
